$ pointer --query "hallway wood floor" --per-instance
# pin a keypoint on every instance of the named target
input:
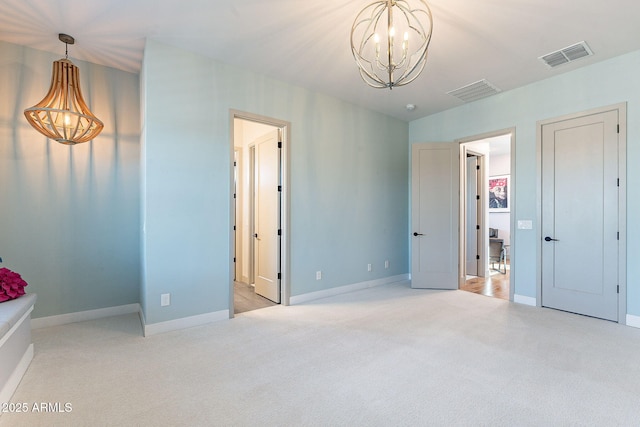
(245, 299)
(496, 285)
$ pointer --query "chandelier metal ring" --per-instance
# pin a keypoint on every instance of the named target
(389, 41)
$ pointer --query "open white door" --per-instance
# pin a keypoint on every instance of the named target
(267, 203)
(435, 215)
(473, 221)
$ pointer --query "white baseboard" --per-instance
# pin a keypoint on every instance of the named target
(14, 380)
(633, 320)
(183, 323)
(81, 316)
(299, 299)
(521, 299)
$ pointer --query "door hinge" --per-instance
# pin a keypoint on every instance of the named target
(234, 259)
(235, 163)
(618, 289)
(618, 182)
(279, 144)
(618, 235)
(234, 228)
(618, 130)
(477, 167)
(477, 227)
(478, 197)
(279, 232)
(279, 276)
(477, 257)
(234, 195)
(279, 187)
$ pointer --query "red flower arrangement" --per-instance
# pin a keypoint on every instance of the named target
(11, 285)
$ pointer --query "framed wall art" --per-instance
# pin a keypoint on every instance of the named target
(499, 200)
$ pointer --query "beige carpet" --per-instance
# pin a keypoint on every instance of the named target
(385, 356)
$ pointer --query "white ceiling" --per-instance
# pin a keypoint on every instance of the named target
(307, 42)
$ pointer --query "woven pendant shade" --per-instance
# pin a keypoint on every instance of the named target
(63, 115)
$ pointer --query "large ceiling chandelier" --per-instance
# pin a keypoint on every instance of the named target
(63, 115)
(389, 41)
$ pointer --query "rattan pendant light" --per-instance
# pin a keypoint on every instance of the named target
(63, 115)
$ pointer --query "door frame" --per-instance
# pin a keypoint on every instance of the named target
(285, 205)
(621, 108)
(512, 200)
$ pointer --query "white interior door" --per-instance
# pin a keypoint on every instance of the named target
(266, 219)
(473, 267)
(237, 225)
(434, 215)
(580, 215)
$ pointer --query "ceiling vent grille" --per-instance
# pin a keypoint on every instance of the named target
(566, 55)
(474, 91)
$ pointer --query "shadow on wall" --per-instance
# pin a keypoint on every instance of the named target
(70, 215)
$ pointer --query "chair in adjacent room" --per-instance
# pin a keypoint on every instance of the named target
(497, 252)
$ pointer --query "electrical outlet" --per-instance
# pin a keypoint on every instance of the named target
(165, 300)
(386, 264)
(318, 275)
(368, 267)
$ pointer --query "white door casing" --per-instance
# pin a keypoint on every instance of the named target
(580, 215)
(434, 215)
(266, 219)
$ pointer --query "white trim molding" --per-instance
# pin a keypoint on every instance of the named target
(633, 320)
(299, 299)
(521, 299)
(184, 322)
(81, 316)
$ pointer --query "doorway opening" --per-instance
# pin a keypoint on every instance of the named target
(486, 170)
(259, 236)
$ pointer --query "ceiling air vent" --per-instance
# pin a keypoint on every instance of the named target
(568, 54)
(474, 91)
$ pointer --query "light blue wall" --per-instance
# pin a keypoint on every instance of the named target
(602, 84)
(349, 186)
(69, 216)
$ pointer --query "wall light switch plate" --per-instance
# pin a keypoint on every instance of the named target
(525, 224)
(165, 300)
(318, 275)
